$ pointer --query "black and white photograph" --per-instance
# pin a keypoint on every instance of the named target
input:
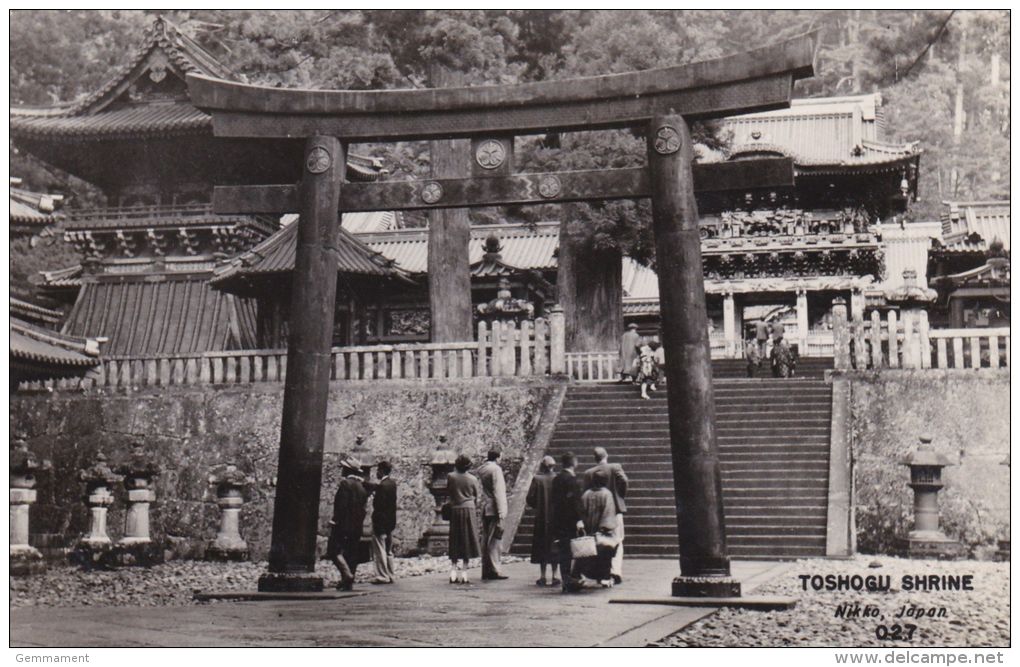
(523, 328)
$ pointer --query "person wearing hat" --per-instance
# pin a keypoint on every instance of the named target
(494, 508)
(348, 520)
(629, 344)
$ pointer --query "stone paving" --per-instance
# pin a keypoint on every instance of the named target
(419, 611)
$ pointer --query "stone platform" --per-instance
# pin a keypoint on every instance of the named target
(417, 611)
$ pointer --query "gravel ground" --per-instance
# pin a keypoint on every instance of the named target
(173, 583)
(977, 618)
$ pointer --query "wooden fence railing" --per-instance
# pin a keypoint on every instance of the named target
(501, 350)
(593, 366)
(905, 340)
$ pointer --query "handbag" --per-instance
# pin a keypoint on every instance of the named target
(603, 541)
(446, 512)
(583, 547)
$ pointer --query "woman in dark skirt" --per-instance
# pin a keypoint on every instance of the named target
(464, 490)
(543, 550)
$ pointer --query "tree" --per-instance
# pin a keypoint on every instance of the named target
(444, 49)
(594, 237)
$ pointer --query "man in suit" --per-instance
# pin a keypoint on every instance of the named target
(493, 514)
(566, 510)
(618, 487)
(348, 520)
(384, 522)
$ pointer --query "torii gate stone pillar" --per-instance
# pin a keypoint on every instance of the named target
(661, 102)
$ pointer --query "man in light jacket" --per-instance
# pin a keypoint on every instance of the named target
(493, 514)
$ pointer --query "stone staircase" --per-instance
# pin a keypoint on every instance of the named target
(773, 437)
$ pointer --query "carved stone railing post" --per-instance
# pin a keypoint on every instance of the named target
(229, 484)
(840, 335)
(557, 341)
(24, 465)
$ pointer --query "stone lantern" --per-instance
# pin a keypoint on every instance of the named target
(136, 546)
(25, 559)
(437, 537)
(99, 479)
(927, 540)
(229, 484)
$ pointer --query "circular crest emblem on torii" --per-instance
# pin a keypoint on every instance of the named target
(550, 186)
(667, 140)
(490, 154)
(319, 160)
(431, 192)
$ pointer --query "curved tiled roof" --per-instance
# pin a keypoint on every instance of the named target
(33, 208)
(970, 226)
(276, 254)
(172, 315)
(130, 121)
(34, 344)
(524, 246)
(836, 132)
(67, 277)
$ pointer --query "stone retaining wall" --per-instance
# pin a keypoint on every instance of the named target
(966, 412)
(191, 429)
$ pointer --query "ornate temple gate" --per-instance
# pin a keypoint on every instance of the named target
(660, 101)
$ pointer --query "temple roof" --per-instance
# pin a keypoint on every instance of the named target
(32, 312)
(147, 97)
(524, 246)
(51, 354)
(995, 272)
(971, 226)
(164, 50)
(31, 211)
(68, 277)
(822, 135)
(276, 255)
(172, 315)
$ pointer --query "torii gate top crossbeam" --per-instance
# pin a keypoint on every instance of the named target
(753, 81)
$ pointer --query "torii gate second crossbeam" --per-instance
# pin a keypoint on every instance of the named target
(661, 101)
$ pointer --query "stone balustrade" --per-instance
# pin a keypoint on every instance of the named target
(502, 349)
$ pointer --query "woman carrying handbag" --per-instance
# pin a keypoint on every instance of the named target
(593, 553)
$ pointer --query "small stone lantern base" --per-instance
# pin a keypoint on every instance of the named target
(26, 560)
(935, 546)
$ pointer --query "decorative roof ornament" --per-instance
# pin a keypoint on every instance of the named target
(910, 294)
(493, 248)
(505, 306)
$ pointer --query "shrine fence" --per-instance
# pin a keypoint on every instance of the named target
(501, 350)
(905, 340)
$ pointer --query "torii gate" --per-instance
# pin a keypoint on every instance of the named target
(662, 101)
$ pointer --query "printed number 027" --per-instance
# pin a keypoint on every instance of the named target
(895, 632)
